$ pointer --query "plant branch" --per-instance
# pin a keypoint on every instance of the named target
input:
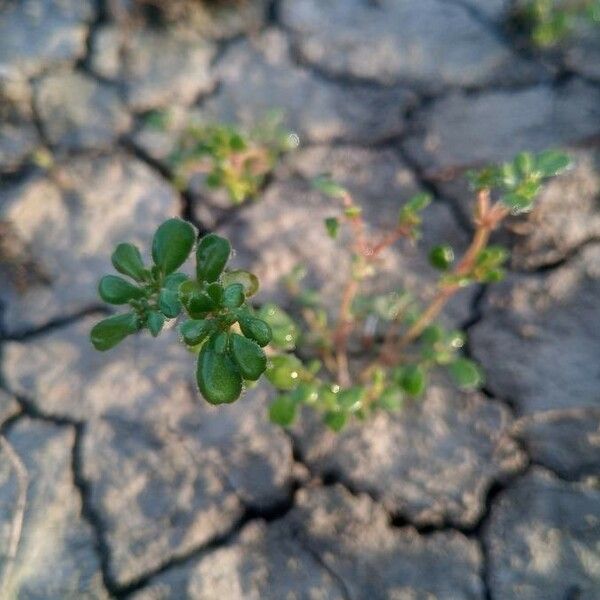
(344, 324)
(487, 218)
(367, 252)
(390, 238)
(325, 352)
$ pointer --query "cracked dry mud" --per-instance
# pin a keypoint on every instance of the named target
(136, 488)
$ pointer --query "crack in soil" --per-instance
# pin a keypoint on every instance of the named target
(346, 79)
(305, 545)
(551, 265)
(269, 514)
(89, 514)
(54, 324)
(281, 509)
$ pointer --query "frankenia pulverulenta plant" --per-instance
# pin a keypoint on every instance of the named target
(231, 158)
(356, 373)
(548, 22)
(314, 363)
(216, 320)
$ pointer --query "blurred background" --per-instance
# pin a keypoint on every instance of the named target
(116, 479)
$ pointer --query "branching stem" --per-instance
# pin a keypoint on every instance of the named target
(487, 218)
(367, 252)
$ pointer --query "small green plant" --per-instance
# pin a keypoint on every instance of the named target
(336, 364)
(548, 22)
(213, 301)
(231, 159)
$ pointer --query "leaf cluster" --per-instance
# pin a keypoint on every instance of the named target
(230, 158)
(303, 382)
(377, 353)
(519, 181)
(393, 378)
(217, 322)
(548, 22)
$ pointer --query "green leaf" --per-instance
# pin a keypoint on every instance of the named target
(492, 256)
(391, 399)
(385, 306)
(493, 276)
(552, 162)
(233, 296)
(188, 289)
(284, 331)
(283, 410)
(127, 260)
(432, 335)
(116, 290)
(237, 142)
(214, 179)
(529, 189)
(518, 203)
(212, 254)
(307, 392)
(410, 213)
(458, 280)
(219, 380)
(216, 292)
(172, 244)
(193, 331)
(333, 227)
(524, 163)
(156, 321)
(256, 329)
(109, 332)
(418, 203)
(413, 380)
(466, 374)
(200, 304)
(328, 397)
(327, 186)
(247, 279)
(284, 371)
(353, 211)
(249, 357)
(168, 303)
(351, 399)
(441, 257)
(219, 341)
(486, 178)
(336, 421)
(507, 175)
(174, 281)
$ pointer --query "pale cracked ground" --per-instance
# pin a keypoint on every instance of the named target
(139, 489)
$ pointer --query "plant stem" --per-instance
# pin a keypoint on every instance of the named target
(325, 352)
(367, 252)
(487, 218)
(343, 327)
(343, 330)
(391, 238)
